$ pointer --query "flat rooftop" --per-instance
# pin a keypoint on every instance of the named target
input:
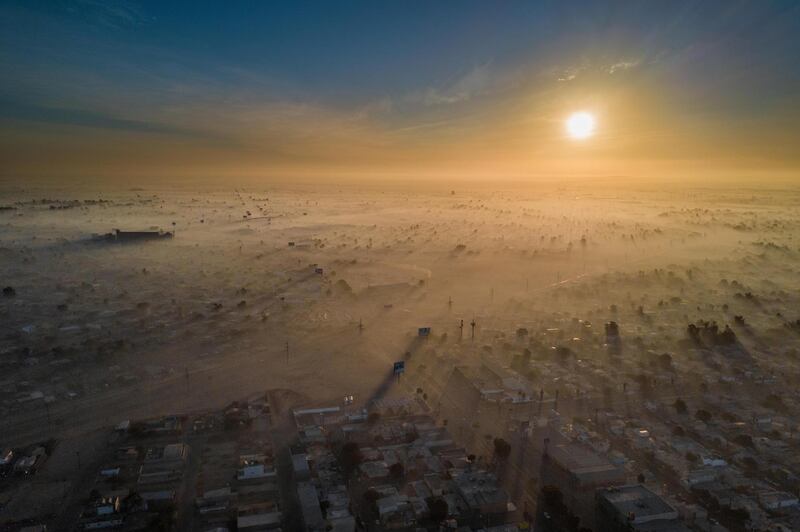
(270, 519)
(583, 462)
(638, 502)
(309, 502)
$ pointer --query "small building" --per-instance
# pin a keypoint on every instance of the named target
(258, 522)
(777, 500)
(138, 236)
(172, 454)
(254, 466)
(309, 504)
(102, 513)
(300, 467)
(578, 473)
(635, 508)
(158, 499)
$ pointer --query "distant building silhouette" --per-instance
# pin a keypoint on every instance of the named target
(118, 235)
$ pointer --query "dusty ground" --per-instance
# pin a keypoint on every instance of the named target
(108, 332)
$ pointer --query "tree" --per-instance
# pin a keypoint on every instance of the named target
(397, 470)
(502, 449)
(750, 463)
(351, 457)
(553, 510)
(727, 336)
(703, 415)
(680, 406)
(774, 401)
(438, 509)
(342, 286)
(612, 329)
(371, 497)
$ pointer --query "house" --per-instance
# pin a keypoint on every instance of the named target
(777, 500)
(700, 476)
(481, 493)
(214, 501)
(172, 454)
(254, 466)
(105, 512)
(158, 499)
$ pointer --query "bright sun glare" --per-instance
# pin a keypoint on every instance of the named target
(580, 125)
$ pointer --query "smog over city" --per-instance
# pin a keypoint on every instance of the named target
(365, 266)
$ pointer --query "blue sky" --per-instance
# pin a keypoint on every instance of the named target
(316, 87)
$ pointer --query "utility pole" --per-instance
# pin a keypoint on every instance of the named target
(461, 330)
(541, 400)
(472, 324)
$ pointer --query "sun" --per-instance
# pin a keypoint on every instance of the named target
(580, 125)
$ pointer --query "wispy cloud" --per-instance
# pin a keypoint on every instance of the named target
(573, 72)
(569, 73)
(115, 14)
(475, 83)
(621, 66)
(372, 109)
